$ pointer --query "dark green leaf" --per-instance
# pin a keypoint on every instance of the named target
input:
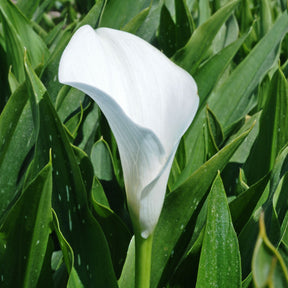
(69, 194)
(16, 140)
(273, 134)
(243, 206)
(167, 33)
(179, 207)
(28, 221)
(184, 23)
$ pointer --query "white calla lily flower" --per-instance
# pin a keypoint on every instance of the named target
(149, 103)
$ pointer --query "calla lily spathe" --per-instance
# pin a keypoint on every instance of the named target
(149, 103)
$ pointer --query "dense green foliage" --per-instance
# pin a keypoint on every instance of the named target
(63, 215)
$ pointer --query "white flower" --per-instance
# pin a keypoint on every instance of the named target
(148, 101)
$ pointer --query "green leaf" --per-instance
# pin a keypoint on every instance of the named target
(268, 267)
(273, 134)
(16, 141)
(135, 23)
(69, 194)
(280, 169)
(73, 123)
(214, 68)
(279, 201)
(148, 29)
(89, 128)
(51, 37)
(244, 149)
(28, 221)
(18, 34)
(204, 11)
(28, 7)
(245, 17)
(220, 251)
(49, 75)
(68, 255)
(179, 207)
(117, 14)
(68, 101)
(127, 277)
(101, 160)
(243, 206)
(92, 17)
(250, 230)
(13, 82)
(167, 33)
(228, 34)
(240, 84)
(213, 134)
(193, 53)
(117, 234)
(184, 23)
(265, 19)
(245, 78)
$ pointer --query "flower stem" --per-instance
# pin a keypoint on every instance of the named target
(143, 249)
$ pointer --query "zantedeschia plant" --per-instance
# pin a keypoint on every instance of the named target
(148, 101)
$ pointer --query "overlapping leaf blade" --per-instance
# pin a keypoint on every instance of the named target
(29, 220)
(19, 34)
(69, 199)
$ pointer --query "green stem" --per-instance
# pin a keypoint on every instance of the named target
(143, 249)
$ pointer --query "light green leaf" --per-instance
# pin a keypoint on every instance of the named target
(220, 251)
(191, 55)
(245, 78)
(135, 23)
(265, 19)
(101, 160)
(204, 11)
(127, 277)
(13, 82)
(244, 149)
(148, 30)
(117, 14)
(214, 68)
(241, 84)
(268, 267)
(28, 7)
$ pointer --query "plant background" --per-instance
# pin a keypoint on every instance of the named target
(63, 215)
